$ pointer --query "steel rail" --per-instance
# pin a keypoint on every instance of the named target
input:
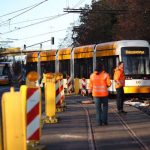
(142, 145)
(91, 140)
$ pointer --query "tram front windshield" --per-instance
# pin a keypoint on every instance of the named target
(136, 61)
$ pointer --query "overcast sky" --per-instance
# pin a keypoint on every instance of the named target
(37, 22)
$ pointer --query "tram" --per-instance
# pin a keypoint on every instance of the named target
(81, 61)
(5, 71)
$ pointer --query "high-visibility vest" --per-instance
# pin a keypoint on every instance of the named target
(99, 84)
(119, 78)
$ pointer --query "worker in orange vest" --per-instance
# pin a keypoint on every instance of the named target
(99, 83)
(119, 79)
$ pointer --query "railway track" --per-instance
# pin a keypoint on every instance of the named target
(132, 134)
(77, 129)
(92, 137)
(91, 140)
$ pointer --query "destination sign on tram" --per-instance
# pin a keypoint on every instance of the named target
(135, 51)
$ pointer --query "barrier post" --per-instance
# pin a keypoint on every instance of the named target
(60, 104)
(69, 85)
(50, 99)
(76, 86)
(83, 87)
(1, 135)
(19, 79)
(13, 116)
(32, 98)
(62, 91)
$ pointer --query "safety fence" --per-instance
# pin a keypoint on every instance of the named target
(27, 121)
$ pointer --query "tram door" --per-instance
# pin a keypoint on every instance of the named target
(83, 67)
(31, 66)
(64, 67)
(48, 66)
(109, 64)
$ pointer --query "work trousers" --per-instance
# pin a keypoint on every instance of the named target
(120, 98)
(101, 104)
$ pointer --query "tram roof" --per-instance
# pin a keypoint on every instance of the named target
(48, 53)
(86, 48)
(42, 53)
(104, 46)
(10, 51)
(64, 51)
(121, 43)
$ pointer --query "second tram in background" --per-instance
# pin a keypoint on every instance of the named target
(6, 72)
(80, 62)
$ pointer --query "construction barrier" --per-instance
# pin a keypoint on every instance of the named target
(83, 86)
(76, 86)
(61, 88)
(20, 79)
(59, 92)
(13, 117)
(69, 85)
(33, 112)
(50, 99)
(32, 96)
(31, 79)
(1, 135)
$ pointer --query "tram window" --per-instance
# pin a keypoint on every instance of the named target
(109, 64)
(135, 64)
(31, 67)
(6, 72)
(77, 69)
(5, 69)
(1, 70)
(147, 66)
(83, 67)
(48, 66)
(64, 67)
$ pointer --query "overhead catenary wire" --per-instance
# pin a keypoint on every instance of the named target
(24, 11)
(34, 24)
(79, 3)
(67, 3)
(38, 43)
(7, 14)
(32, 20)
(34, 36)
(19, 28)
(6, 24)
(47, 19)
